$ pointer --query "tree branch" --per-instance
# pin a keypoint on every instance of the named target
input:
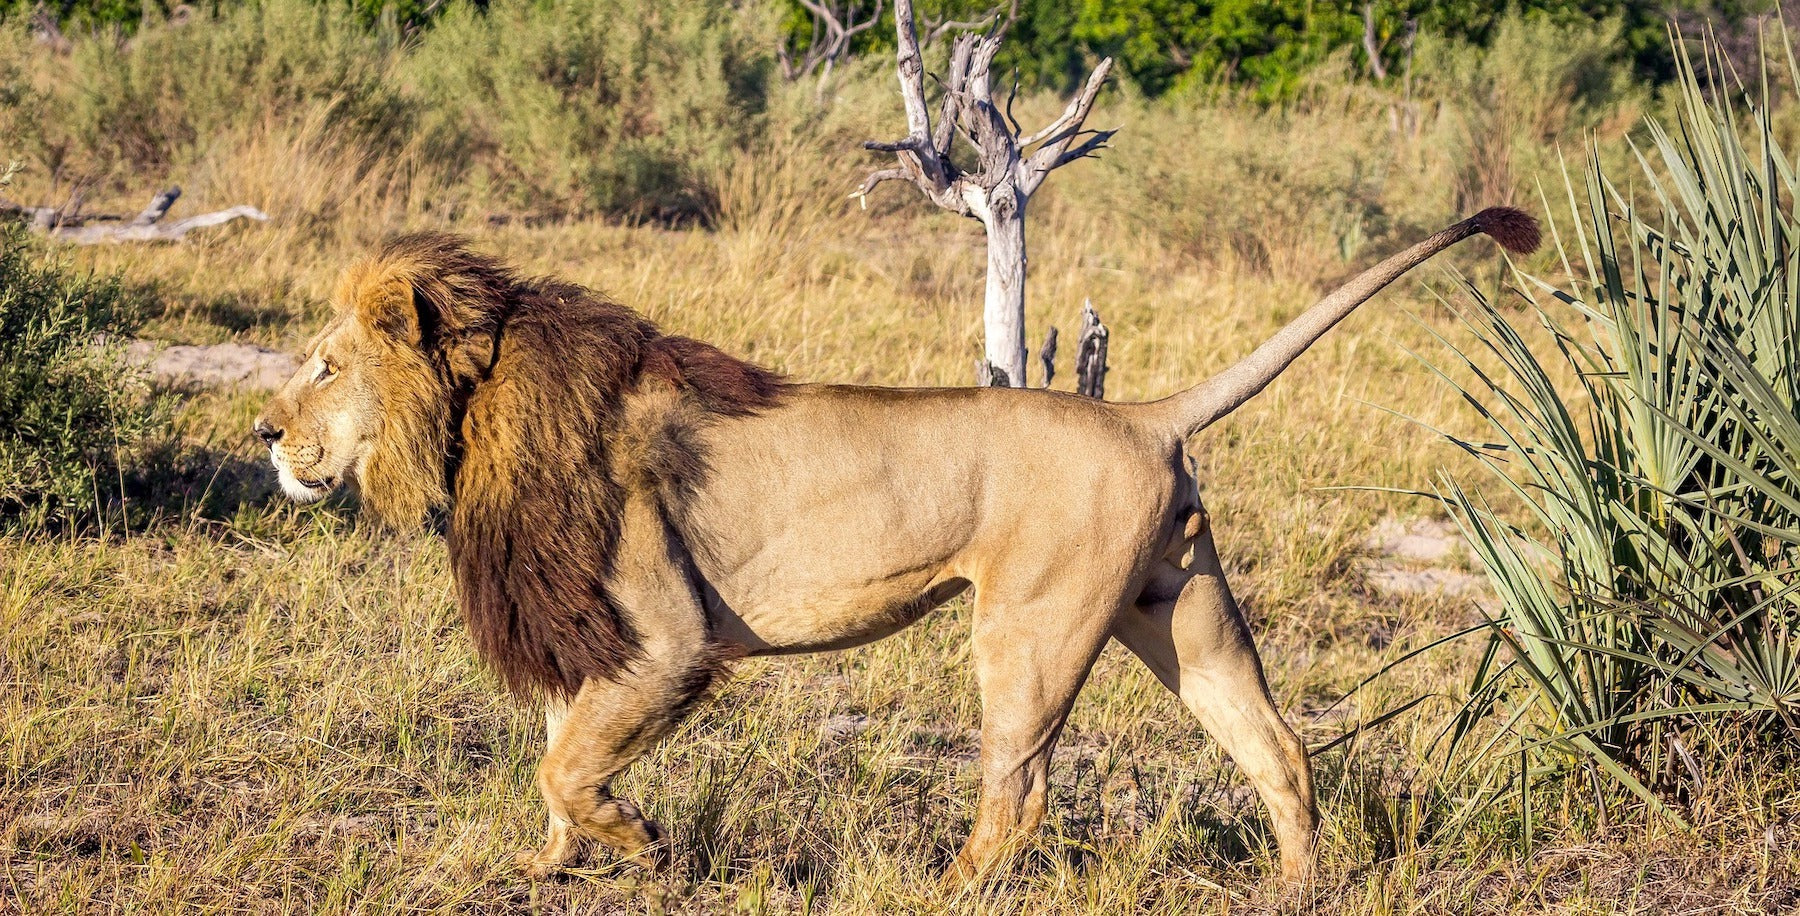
(1077, 109)
(875, 178)
(1370, 47)
(866, 24)
(956, 87)
(937, 30)
(832, 31)
(1088, 147)
(159, 205)
(924, 154)
(911, 66)
(902, 145)
(1011, 95)
(1056, 137)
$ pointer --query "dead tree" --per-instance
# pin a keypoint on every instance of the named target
(833, 25)
(69, 225)
(1090, 354)
(1009, 166)
(1373, 46)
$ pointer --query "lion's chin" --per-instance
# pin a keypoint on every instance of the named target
(303, 491)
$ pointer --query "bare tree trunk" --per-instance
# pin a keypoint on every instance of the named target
(1372, 47)
(1003, 318)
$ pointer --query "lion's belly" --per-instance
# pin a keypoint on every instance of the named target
(777, 624)
(846, 514)
(825, 530)
(852, 560)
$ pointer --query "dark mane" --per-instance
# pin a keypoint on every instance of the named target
(542, 371)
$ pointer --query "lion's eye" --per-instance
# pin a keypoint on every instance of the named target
(327, 371)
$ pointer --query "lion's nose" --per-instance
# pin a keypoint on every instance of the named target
(266, 431)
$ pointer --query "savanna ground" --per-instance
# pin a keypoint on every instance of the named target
(240, 705)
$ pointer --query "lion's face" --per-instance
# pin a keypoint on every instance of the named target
(370, 404)
(323, 425)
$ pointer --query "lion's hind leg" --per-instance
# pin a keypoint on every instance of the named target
(1199, 647)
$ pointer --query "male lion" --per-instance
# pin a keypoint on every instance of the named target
(628, 509)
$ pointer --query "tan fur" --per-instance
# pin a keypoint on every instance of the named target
(629, 509)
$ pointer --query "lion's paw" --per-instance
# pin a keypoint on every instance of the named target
(531, 863)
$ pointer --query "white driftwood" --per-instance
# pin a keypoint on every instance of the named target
(1009, 167)
(147, 226)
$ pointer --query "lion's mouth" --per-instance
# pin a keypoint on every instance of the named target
(321, 484)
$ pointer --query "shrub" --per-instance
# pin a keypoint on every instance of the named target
(70, 403)
(1535, 83)
(1293, 192)
(1650, 609)
(173, 88)
(625, 107)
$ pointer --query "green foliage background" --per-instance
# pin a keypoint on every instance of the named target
(1160, 45)
(1269, 45)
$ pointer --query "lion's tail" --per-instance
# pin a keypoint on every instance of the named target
(1198, 407)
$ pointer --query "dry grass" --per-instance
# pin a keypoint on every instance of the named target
(253, 707)
(278, 710)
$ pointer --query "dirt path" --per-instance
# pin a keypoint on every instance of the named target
(225, 365)
(1421, 556)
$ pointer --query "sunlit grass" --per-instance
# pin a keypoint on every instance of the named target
(252, 706)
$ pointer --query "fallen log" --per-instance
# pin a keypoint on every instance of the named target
(147, 226)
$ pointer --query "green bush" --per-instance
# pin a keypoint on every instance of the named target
(1650, 623)
(1536, 82)
(145, 106)
(70, 404)
(625, 107)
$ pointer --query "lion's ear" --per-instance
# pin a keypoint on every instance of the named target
(391, 305)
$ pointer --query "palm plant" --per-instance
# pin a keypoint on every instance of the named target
(1648, 596)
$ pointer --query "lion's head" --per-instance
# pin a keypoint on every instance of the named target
(371, 403)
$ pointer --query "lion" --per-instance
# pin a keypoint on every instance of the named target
(627, 511)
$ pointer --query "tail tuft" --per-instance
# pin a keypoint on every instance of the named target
(1515, 230)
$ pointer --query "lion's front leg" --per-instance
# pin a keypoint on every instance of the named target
(607, 726)
(562, 845)
(614, 720)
